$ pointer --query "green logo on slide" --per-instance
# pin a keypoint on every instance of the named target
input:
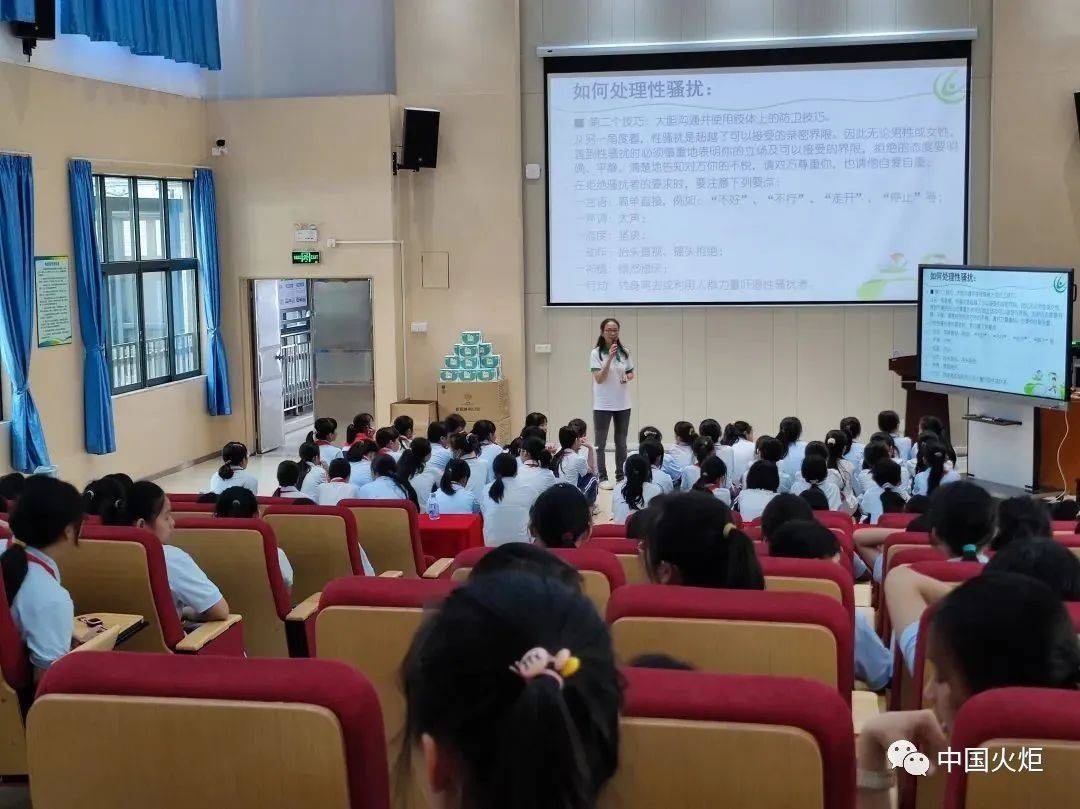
(948, 89)
(891, 281)
(1060, 285)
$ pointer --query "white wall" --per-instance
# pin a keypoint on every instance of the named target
(289, 49)
(756, 364)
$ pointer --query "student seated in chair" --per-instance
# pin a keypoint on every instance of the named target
(240, 504)
(147, 506)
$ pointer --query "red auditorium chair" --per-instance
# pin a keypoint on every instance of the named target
(186, 509)
(122, 570)
(821, 576)
(607, 530)
(737, 631)
(240, 557)
(173, 733)
(835, 519)
(908, 555)
(369, 623)
(695, 739)
(389, 532)
(601, 573)
(626, 551)
(1009, 720)
(320, 542)
(900, 520)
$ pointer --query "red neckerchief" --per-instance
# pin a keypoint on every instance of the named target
(321, 443)
(34, 560)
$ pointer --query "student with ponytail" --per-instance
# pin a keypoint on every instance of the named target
(240, 504)
(404, 426)
(762, 482)
(147, 507)
(742, 449)
(815, 478)
(288, 476)
(852, 428)
(938, 471)
(506, 504)
(233, 471)
(533, 466)
(485, 432)
(560, 517)
(439, 438)
(386, 484)
(454, 495)
(312, 470)
(713, 480)
(635, 491)
(323, 436)
(704, 448)
(360, 457)
(682, 451)
(653, 453)
(692, 540)
(571, 466)
(710, 428)
(362, 428)
(466, 447)
(46, 523)
(889, 423)
(512, 698)
(386, 439)
(414, 466)
(98, 494)
(789, 433)
(767, 448)
(885, 496)
(841, 470)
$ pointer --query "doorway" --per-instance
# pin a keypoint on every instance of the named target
(313, 346)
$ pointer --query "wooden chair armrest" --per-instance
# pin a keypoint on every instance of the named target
(438, 568)
(103, 642)
(206, 633)
(305, 609)
(392, 574)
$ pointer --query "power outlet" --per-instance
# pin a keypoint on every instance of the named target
(543, 348)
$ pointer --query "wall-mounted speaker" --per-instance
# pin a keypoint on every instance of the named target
(43, 27)
(419, 139)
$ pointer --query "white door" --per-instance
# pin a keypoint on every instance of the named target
(270, 428)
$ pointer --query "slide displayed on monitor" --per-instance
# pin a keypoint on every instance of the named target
(998, 329)
(773, 184)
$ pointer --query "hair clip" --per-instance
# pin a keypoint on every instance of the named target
(973, 549)
(89, 493)
(539, 662)
(729, 528)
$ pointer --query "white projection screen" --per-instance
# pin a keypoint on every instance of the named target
(783, 177)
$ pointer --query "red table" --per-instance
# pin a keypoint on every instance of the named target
(451, 534)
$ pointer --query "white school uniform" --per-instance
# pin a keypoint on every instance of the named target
(922, 480)
(865, 480)
(424, 482)
(480, 476)
(572, 468)
(290, 493)
(360, 473)
(508, 520)
(190, 586)
(460, 502)
(621, 510)
(742, 457)
(854, 456)
(42, 610)
(240, 477)
(677, 457)
(440, 457)
(791, 464)
(335, 490)
(903, 445)
(664, 481)
(328, 452)
(873, 662)
(532, 474)
(687, 477)
(870, 502)
(720, 493)
(751, 502)
(382, 488)
(786, 481)
(489, 451)
(315, 477)
(285, 567)
(613, 393)
(828, 488)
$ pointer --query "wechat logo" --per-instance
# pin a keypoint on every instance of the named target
(903, 753)
(948, 88)
(1060, 285)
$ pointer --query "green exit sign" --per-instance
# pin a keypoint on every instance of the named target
(305, 256)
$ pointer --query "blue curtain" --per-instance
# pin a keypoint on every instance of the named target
(28, 450)
(218, 399)
(181, 30)
(18, 10)
(100, 434)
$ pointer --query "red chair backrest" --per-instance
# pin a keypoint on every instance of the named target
(1064, 525)
(333, 686)
(183, 498)
(813, 569)
(586, 558)
(835, 519)
(617, 545)
(752, 700)
(413, 518)
(900, 519)
(286, 507)
(14, 663)
(608, 530)
(372, 591)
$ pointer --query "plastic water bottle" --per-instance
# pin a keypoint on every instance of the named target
(433, 507)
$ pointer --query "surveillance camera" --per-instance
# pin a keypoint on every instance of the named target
(220, 143)
(219, 148)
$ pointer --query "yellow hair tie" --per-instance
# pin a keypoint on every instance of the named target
(570, 667)
(729, 528)
(18, 542)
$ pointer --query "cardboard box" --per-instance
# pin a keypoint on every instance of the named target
(477, 400)
(503, 432)
(422, 412)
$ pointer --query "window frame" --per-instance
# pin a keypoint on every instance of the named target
(138, 268)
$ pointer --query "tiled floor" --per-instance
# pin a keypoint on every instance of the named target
(264, 467)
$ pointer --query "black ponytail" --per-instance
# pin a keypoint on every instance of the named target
(411, 463)
(567, 436)
(936, 456)
(713, 470)
(47, 507)
(695, 533)
(684, 432)
(324, 430)
(457, 471)
(358, 451)
(233, 454)
(465, 444)
(638, 473)
(887, 475)
(386, 467)
(145, 502)
(852, 427)
(237, 503)
(789, 432)
(308, 454)
(703, 448)
(837, 444)
(99, 494)
(504, 466)
(537, 452)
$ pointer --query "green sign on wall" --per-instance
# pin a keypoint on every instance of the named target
(305, 256)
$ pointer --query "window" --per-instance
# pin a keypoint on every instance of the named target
(147, 245)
